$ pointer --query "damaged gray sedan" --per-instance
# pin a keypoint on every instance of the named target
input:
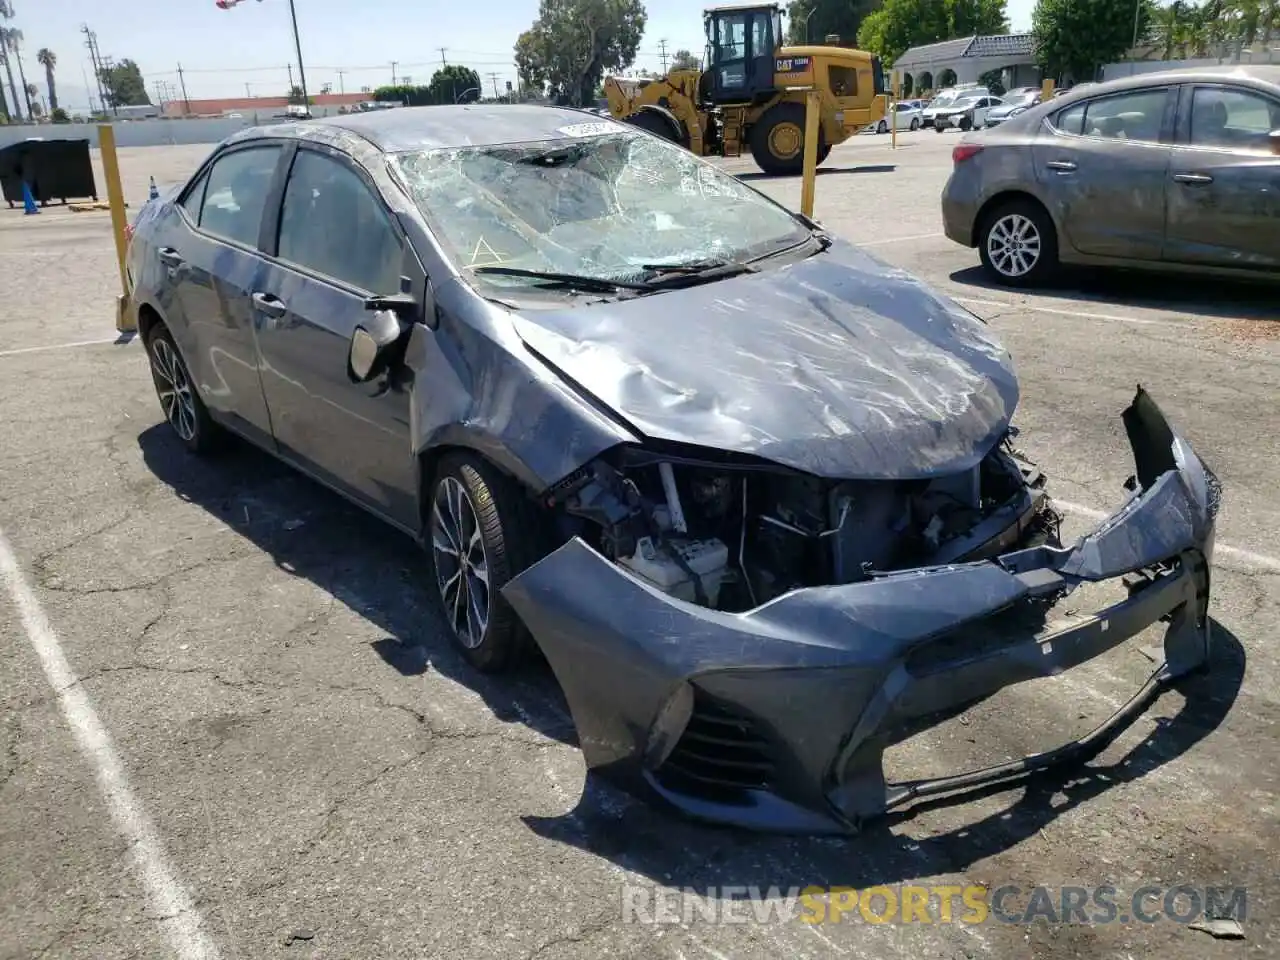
(752, 492)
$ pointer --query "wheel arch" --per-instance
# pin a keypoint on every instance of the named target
(148, 319)
(1000, 199)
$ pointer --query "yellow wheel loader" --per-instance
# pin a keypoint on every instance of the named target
(752, 93)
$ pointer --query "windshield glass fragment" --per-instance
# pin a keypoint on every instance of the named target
(616, 206)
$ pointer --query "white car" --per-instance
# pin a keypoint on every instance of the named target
(906, 115)
(968, 112)
(944, 99)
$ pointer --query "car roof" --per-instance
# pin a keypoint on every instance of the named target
(450, 126)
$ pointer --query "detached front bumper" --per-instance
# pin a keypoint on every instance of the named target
(778, 718)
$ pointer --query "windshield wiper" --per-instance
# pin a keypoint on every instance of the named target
(570, 280)
(669, 275)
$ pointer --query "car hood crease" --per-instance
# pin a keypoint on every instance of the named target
(837, 365)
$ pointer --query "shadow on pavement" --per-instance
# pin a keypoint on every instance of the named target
(822, 172)
(1213, 297)
(363, 563)
(677, 853)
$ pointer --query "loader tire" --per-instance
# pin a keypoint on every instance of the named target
(656, 124)
(777, 140)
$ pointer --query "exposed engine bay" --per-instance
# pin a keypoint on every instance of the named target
(732, 536)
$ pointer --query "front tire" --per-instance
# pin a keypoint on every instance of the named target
(181, 404)
(777, 141)
(882, 127)
(1018, 244)
(915, 124)
(480, 535)
(966, 123)
(655, 124)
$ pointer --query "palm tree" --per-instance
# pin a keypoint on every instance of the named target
(15, 41)
(6, 44)
(48, 59)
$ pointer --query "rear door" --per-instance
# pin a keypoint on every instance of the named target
(336, 245)
(1224, 184)
(1104, 168)
(214, 262)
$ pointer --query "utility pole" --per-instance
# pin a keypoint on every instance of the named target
(443, 61)
(186, 101)
(91, 41)
(663, 45)
(494, 78)
(393, 72)
(289, 67)
(342, 87)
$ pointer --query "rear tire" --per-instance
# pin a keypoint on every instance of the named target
(777, 140)
(1018, 244)
(181, 404)
(481, 532)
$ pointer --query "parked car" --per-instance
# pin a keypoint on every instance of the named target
(1177, 170)
(1010, 105)
(751, 491)
(966, 112)
(943, 99)
(906, 115)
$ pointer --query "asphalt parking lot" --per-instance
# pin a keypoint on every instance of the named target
(229, 725)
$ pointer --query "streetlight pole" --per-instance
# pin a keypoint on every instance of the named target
(297, 44)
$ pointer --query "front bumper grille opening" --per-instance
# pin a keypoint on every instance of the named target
(721, 754)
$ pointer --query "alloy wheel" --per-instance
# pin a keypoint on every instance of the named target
(174, 389)
(462, 566)
(1013, 244)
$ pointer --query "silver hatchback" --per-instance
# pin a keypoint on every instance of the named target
(1175, 170)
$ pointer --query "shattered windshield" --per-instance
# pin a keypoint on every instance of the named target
(613, 206)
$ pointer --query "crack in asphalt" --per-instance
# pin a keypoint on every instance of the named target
(584, 932)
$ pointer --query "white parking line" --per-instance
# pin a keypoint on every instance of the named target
(1057, 311)
(59, 346)
(1259, 560)
(877, 243)
(168, 899)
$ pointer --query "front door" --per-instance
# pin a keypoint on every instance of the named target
(1224, 182)
(1104, 171)
(337, 245)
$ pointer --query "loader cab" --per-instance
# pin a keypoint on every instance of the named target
(741, 43)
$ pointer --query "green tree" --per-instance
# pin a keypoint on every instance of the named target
(455, 84)
(1074, 38)
(124, 85)
(902, 24)
(810, 21)
(48, 59)
(685, 60)
(573, 42)
(58, 115)
(294, 96)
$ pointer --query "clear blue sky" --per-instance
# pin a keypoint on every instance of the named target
(223, 50)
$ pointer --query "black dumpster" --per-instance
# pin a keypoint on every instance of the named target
(54, 169)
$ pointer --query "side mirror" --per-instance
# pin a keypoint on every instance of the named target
(373, 343)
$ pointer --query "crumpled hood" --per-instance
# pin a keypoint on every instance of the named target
(838, 365)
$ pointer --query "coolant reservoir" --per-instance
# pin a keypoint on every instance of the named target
(708, 559)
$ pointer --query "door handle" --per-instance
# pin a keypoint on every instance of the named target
(270, 305)
(169, 257)
(1193, 178)
(1065, 165)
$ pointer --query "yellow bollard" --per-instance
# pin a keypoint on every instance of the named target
(1046, 91)
(812, 114)
(125, 321)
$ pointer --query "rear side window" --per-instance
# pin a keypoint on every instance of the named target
(195, 198)
(332, 224)
(1137, 115)
(1232, 119)
(236, 193)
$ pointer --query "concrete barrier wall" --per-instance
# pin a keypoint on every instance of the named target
(135, 133)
